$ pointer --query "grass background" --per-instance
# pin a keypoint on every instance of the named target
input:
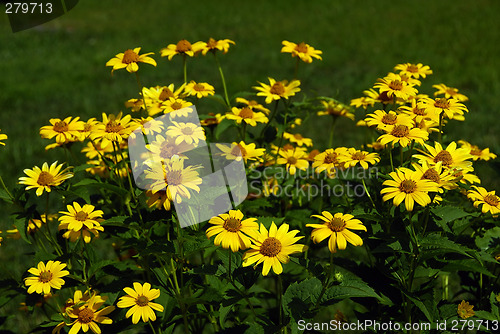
(58, 69)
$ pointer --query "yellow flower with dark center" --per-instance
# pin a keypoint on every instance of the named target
(148, 125)
(45, 178)
(112, 129)
(304, 51)
(240, 150)
(452, 108)
(183, 47)
(408, 186)
(65, 131)
(465, 310)
(463, 175)
(297, 139)
(84, 233)
(213, 45)
(246, 115)
(46, 277)
(88, 127)
(88, 315)
(351, 157)
(371, 98)
(336, 109)
(451, 157)
(200, 89)
(272, 248)
(156, 97)
(488, 199)
(139, 299)
(403, 135)
(232, 230)
(329, 161)
(212, 119)
(382, 119)
(419, 112)
(159, 199)
(476, 152)
(449, 92)
(129, 60)
(337, 228)
(79, 216)
(190, 133)
(135, 105)
(395, 87)
(436, 173)
(277, 89)
(3, 136)
(166, 148)
(177, 107)
(413, 70)
(293, 159)
(252, 104)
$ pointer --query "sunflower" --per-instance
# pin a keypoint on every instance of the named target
(452, 108)
(449, 92)
(65, 131)
(232, 230)
(89, 314)
(277, 89)
(246, 115)
(46, 276)
(252, 104)
(240, 150)
(336, 109)
(177, 107)
(488, 199)
(293, 159)
(3, 136)
(395, 87)
(328, 160)
(413, 70)
(337, 227)
(381, 119)
(139, 299)
(272, 248)
(304, 51)
(77, 216)
(129, 60)
(45, 178)
(351, 157)
(476, 152)
(213, 45)
(406, 185)
(297, 139)
(183, 47)
(451, 157)
(402, 134)
(188, 133)
(112, 129)
(200, 89)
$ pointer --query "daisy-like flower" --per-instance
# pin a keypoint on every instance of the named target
(183, 47)
(139, 299)
(452, 108)
(449, 92)
(84, 233)
(79, 216)
(371, 98)
(45, 178)
(463, 175)
(252, 104)
(337, 228)
(406, 185)
(3, 136)
(89, 315)
(177, 107)
(436, 173)
(238, 151)
(149, 126)
(135, 105)
(46, 277)
(293, 159)
(394, 86)
(159, 199)
(418, 111)
(403, 135)
(246, 115)
(465, 310)
(112, 129)
(451, 157)
(336, 109)
(297, 139)
(156, 97)
(272, 248)
(277, 89)
(304, 51)
(213, 45)
(88, 127)
(328, 160)
(129, 60)
(232, 230)
(376, 145)
(413, 70)
(351, 157)
(362, 102)
(166, 148)
(200, 89)
(488, 199)
(476, 152)
(212, 119)
(64, 130)
(189, 133)
(381, 119)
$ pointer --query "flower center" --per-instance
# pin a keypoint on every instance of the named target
(298, 136)
(389, 118)
(302, 48)
(167, 150)
(445, 157)
(142, 301)
(412, 69)
(442, 103)
(61, 126)
(199, 87)
(270, 247)
(232, 224)
(188, 131)
(331, 158)
(491, 199)
(183, 46)
(278, 88)
(336, 224)
(396, 85)
(431, 174)
(85, 316)
(475, 150)
(130, 56)
(212, 43)
(45, 276)
(408, 186)
(400, 131)
(292, 160)
(237, 149)
(419, 111)
(358, 156)
(166, 94)
(45, 179)
(113, 126)
(81, 216)
(246, 113)
(174, 177)
(176, 105)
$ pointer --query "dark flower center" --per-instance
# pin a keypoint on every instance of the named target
(336, 224)
(389, 119)
(431, 174)
(408, 186)
(113, 126)
(60, 126)
(445, 157)
(278, 88)
(396, 85)
(491, 199)
(183, 46)
(130, 56)
(166, 94)
(442, 103)
(199, 87)
(400, 131)
(270, 247)
(302, 48)
(45, 178)
(232, 224)
(142, 301)
(45, 276)
(174, 177)
(246, 113)
(85, 316)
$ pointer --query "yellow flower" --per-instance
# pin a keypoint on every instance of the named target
(45, 178)
(304, 51)
(272, 248)
(298, 139)
(436, 173)
(112, 129)
(177, 107)
(476, 152)
(189, 133)
(406, 185)
(413, 70)
(66, 130)
(200, 89)
(246, 115)
(2, 137)
(46, 277)
(465, 310)
(88, 127)
(77, 216)
(159, 199)
(329, 161)
(293, 159)
(488, 199)
(88, 315)
(335, 108)
(129, 60)
(139, 299)
(245, 151)
(419, 112)
(351, 157)
(156, 97)
(135, 104)
(213, 45)
(149, 126)
(452, 108)
(337, 228)
(277, 89)
(451, 157)
(449, 92)
(252, 104)
(183, 47)
(394, 86)
(381, 119)
(212, 119)
(232, 230)
(166, 148)
(84, 232)
(402, 134)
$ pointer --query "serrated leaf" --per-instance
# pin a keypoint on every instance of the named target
(99, 265)
(466, 265)
(442, 244)
(427, 310)
(490, 239)
(300, 297)
(450, 213)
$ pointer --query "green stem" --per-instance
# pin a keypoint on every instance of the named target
(230, 260)
(330, 141)
(389, 149)
(401, 155)
(141, 89)
(152, 327)
(5, 188)
(440, 127)
(273, 114)
(327, 281)
(280, 302)
(184, 67)
(369, 196)
(223, 80)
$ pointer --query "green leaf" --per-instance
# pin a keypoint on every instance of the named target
(223, 312)
(466, 265)
(300, 297)
(427, 310)
(114, 221)
(490, 239)
(267, 221)
(21, 224)
(437, 244)
(99, 265)
(5, 196)
(450, 213)
(223, 126)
